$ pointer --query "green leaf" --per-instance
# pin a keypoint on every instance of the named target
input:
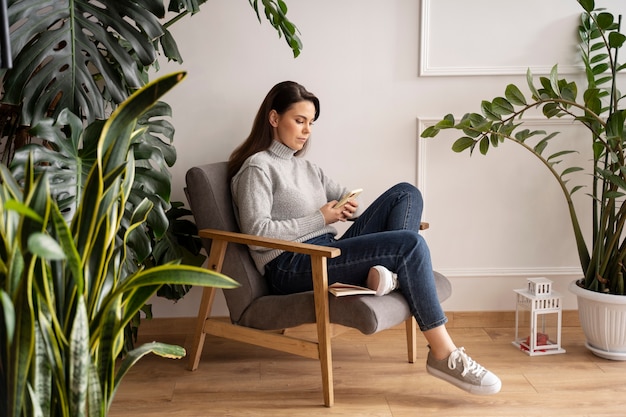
(501, 106)
(540, 146)
(616, 39)
(22, 209)
(8, 315)
(176, 274)
(514, 95)
(45, 247)
(79, 360)
(84, 51)
(531, 84)
(484, 145)
(554, 80)
(462, 144)
(560, 153)
(576, 188)
(487, 109)
(551, 110)
(600, 68)
(588, 5)
(604, 20)
(447, 122)
(97, 407)
(160, 349)
(430, 132)
(571, 170)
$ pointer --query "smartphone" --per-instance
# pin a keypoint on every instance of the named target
(349, 196)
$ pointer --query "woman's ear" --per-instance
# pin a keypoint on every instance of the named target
(273, 118)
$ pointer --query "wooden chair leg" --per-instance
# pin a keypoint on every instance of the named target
(208, 295)
(411, 339)
(320, 289)
(215, 262)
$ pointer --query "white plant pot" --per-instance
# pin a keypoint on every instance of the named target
(603, 320)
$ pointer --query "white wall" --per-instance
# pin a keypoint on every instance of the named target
(383, 71)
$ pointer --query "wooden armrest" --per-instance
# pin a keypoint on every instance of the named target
(267, 242)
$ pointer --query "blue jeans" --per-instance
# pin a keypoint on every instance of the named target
(387, 234)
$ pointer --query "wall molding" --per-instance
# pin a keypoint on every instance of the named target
(511, 272)
(428, 47)
(425, 122)
(425, 159)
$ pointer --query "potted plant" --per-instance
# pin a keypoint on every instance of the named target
(74, 62)
(65, 295)
(600, 110)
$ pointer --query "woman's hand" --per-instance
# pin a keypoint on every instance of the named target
(341, 214)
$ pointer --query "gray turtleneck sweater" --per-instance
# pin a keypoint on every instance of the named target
(278, 195)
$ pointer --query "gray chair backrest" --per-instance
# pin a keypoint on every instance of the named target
(208, 193)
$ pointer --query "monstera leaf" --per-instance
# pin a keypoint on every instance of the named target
(79, 54)
(88, 55)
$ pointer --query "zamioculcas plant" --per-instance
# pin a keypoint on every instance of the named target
(598, 109)
(65, 294)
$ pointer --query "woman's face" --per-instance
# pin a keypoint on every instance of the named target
(293, 127)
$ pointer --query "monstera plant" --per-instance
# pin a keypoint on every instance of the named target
(65, 294)
(74, 62)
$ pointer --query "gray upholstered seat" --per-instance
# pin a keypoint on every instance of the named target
(252, 305)
(254, 310)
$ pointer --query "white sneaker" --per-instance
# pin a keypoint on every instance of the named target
(462, 371)
(382, 280)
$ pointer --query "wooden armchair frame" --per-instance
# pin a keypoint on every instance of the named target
(321, 349)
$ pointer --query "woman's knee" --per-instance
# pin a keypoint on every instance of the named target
(404, 188)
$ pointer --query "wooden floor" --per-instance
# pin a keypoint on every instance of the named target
(372, 378)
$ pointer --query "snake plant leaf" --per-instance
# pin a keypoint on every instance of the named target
(44, 246)
(32, 406)
(97, 407)
(8, 317)
(124, 118)
(104, 327)
(79, 360)
(22, 209)
(160, 349)
(179, 274)
(21, 350)
(47, 368)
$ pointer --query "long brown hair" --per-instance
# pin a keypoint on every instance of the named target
(280, 98)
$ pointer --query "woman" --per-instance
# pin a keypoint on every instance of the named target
(277, 194)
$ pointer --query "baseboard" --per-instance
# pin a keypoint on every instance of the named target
(456, 319)
(502, 319)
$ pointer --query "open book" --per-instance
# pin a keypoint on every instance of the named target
(339, 289)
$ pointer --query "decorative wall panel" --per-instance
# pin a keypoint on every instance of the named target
(502, 213)
(488, 37)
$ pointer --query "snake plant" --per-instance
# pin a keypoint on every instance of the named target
(65, 294)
